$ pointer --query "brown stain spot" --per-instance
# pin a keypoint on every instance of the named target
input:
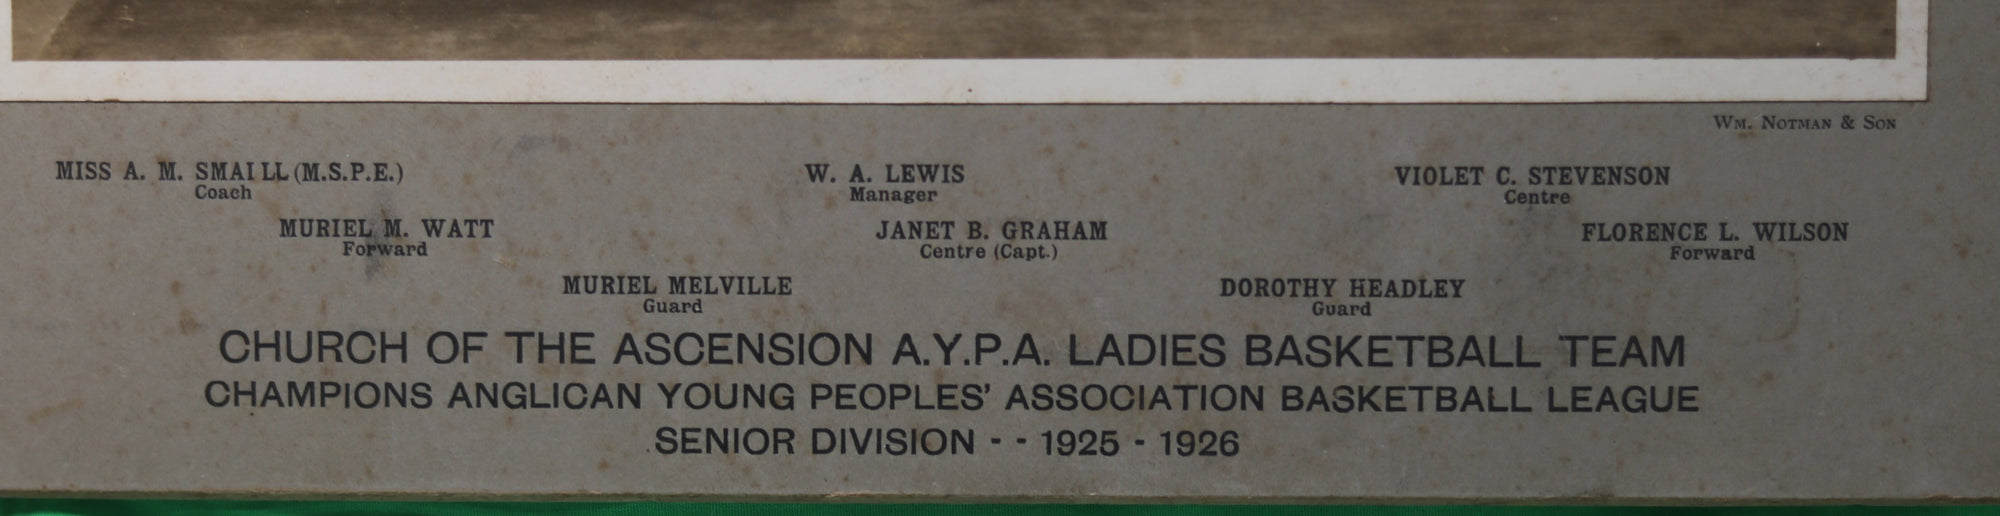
(188, 324)
(43, 413)
(1765, 379)
(1436, 150)
(604, 465)
(644, 245)
(271, 207)
(175, 287)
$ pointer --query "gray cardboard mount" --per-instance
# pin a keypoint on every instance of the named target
(1607, 303)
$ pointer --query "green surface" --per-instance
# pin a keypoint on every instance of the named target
(52, 507)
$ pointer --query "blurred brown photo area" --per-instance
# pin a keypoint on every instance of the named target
(368, 30)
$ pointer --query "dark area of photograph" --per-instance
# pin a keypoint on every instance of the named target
(402, 30)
